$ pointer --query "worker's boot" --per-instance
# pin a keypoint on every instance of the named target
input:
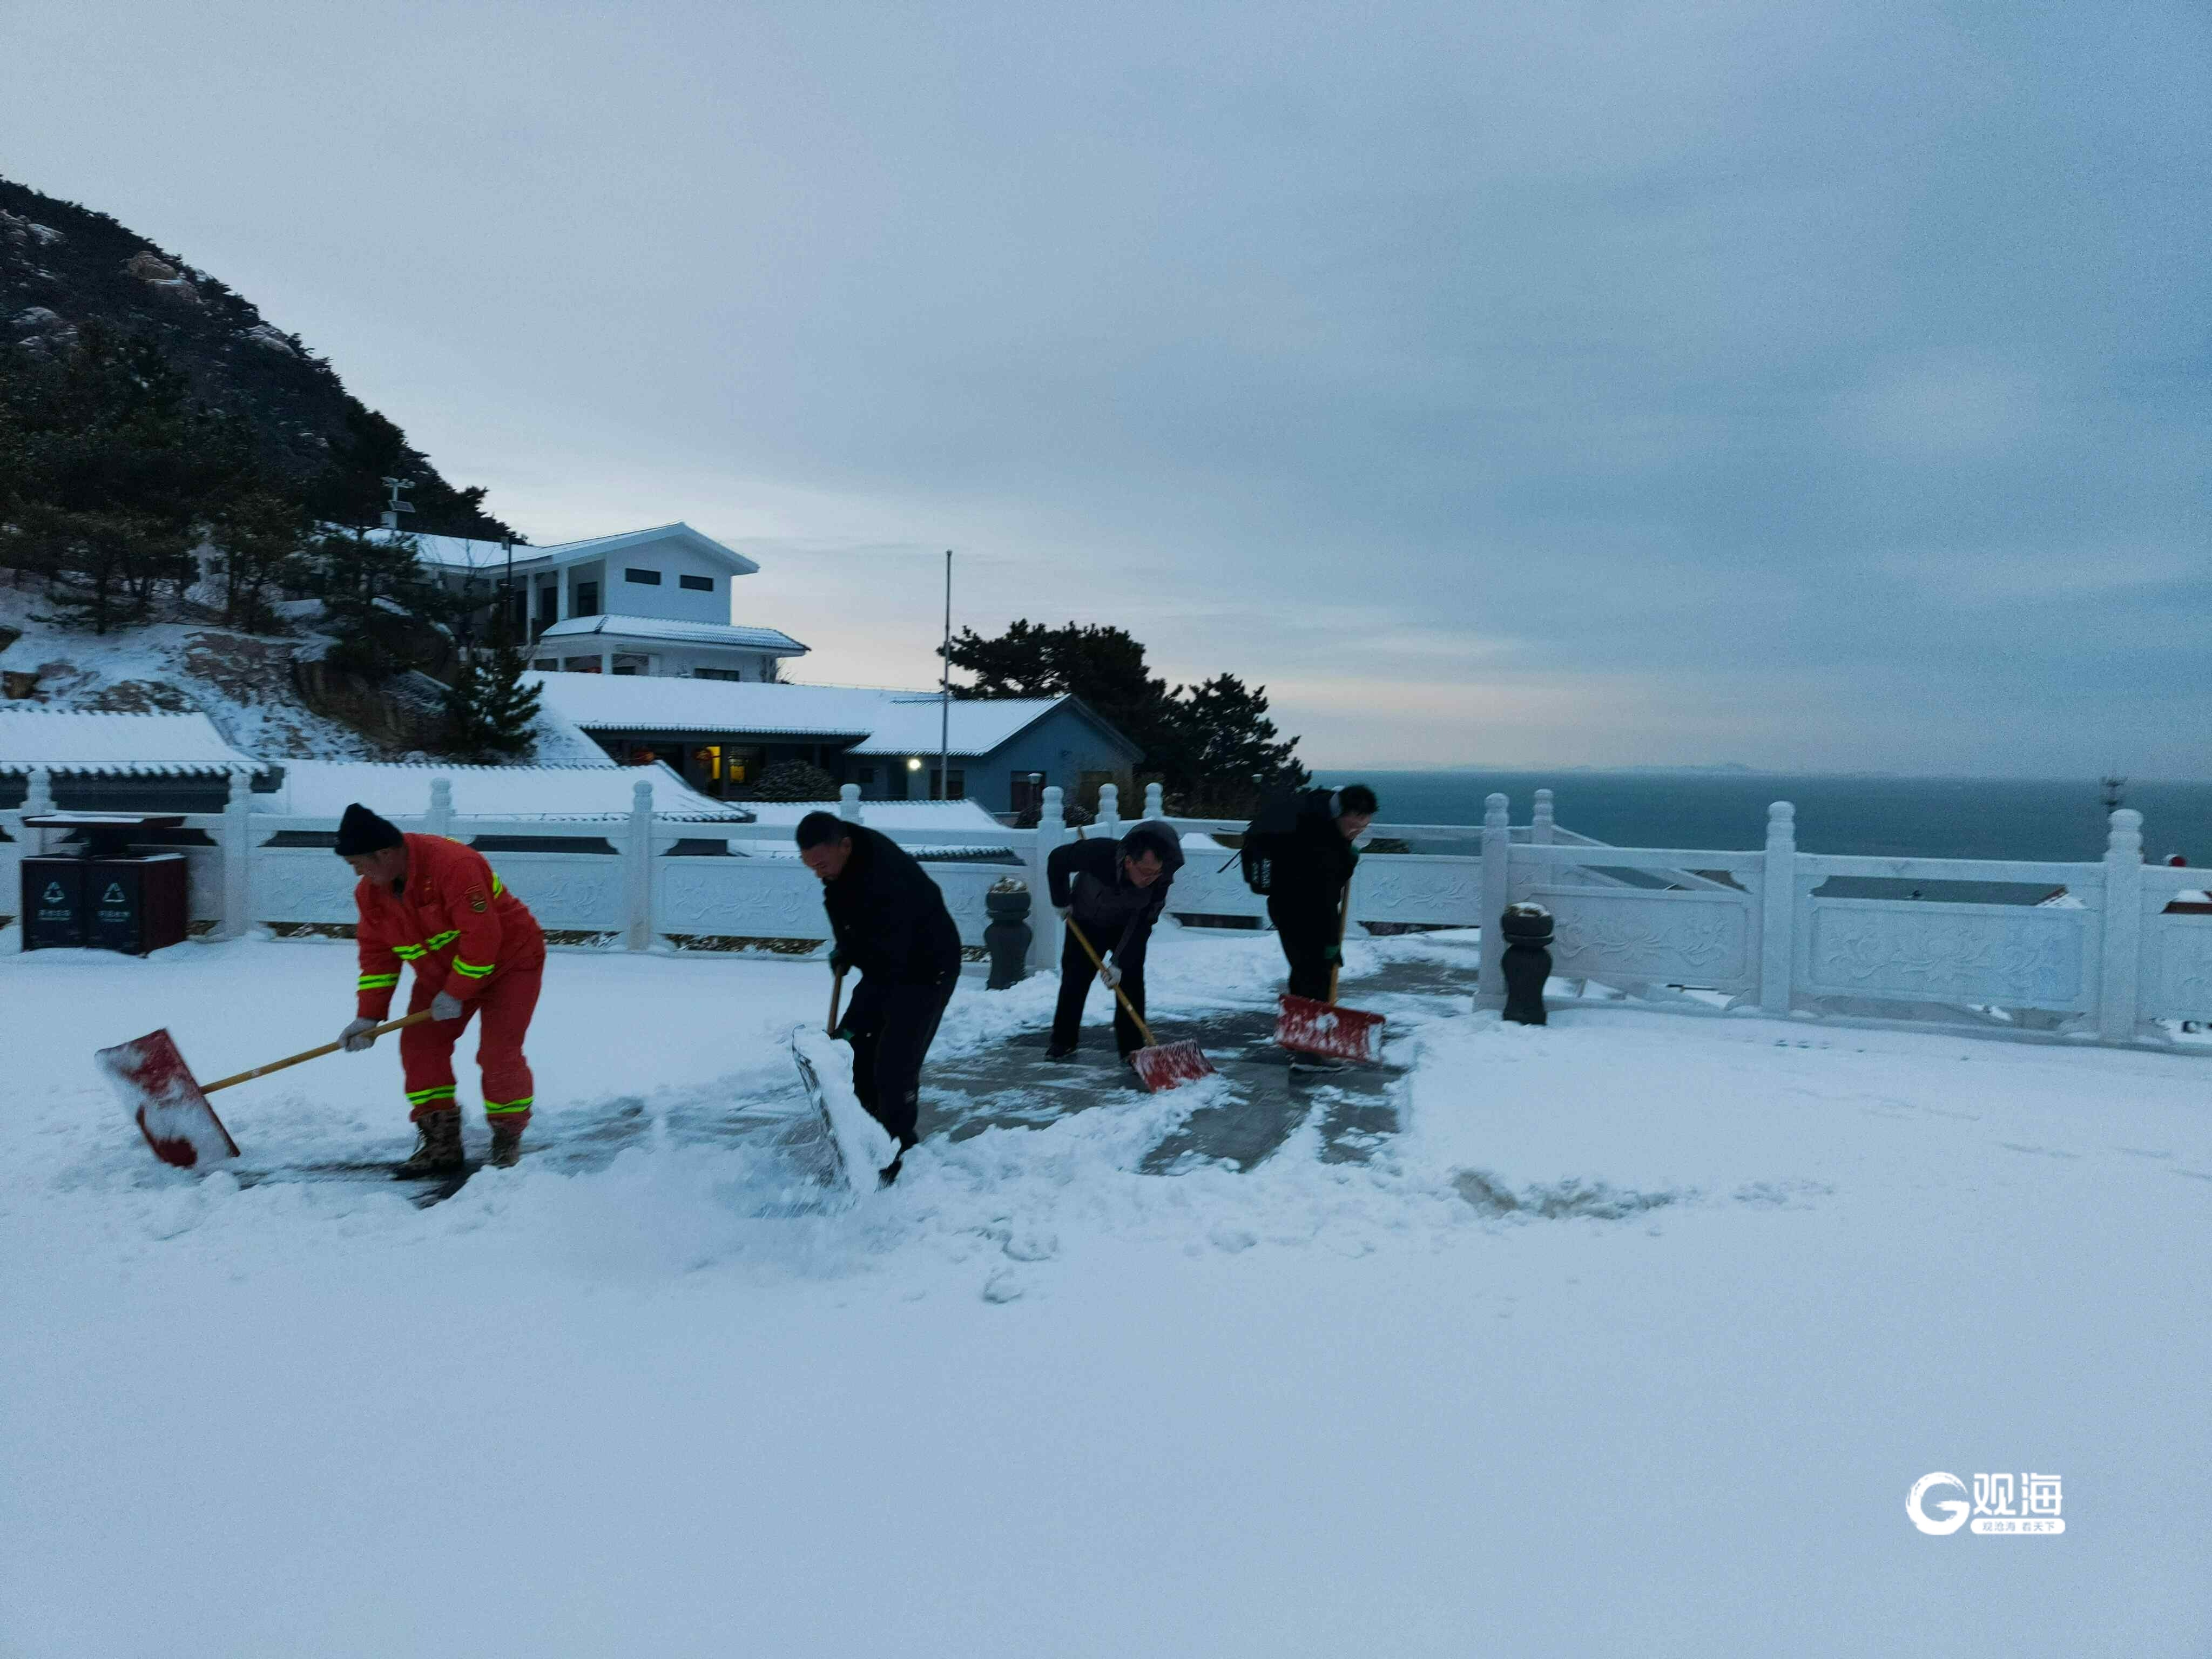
(506, 1145)
(437, 1144)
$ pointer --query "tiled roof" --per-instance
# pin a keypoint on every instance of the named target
(770, 639)
(72, 740)
(323, 789)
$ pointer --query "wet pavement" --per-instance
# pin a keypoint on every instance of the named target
(1267, 1098)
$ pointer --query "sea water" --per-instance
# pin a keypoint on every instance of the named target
(2059, 820)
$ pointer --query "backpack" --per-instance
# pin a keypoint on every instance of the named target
(1269, 835)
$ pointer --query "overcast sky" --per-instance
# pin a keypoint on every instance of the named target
(1815, 386)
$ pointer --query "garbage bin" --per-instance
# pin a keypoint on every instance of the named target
(105, 898)
(54, 916)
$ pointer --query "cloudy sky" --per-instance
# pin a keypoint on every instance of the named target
(1820, 386)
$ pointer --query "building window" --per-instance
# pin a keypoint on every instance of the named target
(697, 584)
(1023, 794)
(865, 776)
(632, 663)
(717, 674)
(547, 665)
(581, 665)
(587, 599)
(643, 578)
(959, 790)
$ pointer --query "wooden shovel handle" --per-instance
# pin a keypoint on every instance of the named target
(836, 995)
(1136, 1018)
(416, 1018)
(1343, 915)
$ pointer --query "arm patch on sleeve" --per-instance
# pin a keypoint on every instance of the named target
(477, 901)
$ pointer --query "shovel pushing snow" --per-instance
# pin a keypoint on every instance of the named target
(863, 1147)
(158, 1089)
(1307, 1027)
(1159, 1065)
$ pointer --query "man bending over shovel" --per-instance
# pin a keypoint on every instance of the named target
(474, 947)
(887, 919)
(1114, 891)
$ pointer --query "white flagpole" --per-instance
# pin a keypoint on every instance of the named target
(944, 695)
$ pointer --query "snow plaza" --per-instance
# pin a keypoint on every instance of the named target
(1745, 1307)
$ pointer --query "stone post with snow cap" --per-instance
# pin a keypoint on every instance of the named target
(1155, 801)
(849, 803)
(1497, 880)
(639, 851)
(1777, 910)
(237, 854)
(2119, 981)
(39, 792)
(440, 821)
(1110, 812)
(1540, 822)
(1044, 928)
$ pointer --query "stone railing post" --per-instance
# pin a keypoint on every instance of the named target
(1496, 893)
(849, 803)
(1045, 926)
(237, 856)
(2117, 982)
(1777, 910)
(1110, 812)
(1540, 824)
(640, 852)
(440, 821)
(1155, 801)
(39, 793)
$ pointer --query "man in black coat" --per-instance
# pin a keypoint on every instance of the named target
(1114, 891)
(1312, 868)
(887, 919)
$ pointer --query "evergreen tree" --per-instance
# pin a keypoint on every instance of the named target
(490, 714)
(1230, 753)
(259, 540)
(793, 780)
(386, 612)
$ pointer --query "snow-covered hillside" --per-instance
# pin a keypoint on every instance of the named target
(241, 682)
(1625, 1335)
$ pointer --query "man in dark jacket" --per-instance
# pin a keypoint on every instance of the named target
(1114, 891)
(888, 920)
(1312, 872)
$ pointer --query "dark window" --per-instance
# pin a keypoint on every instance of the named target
(546, 665)
(587, 599)
(698, 584)
(937, 791)
(647, 578)
(865, 776)
(717, 674)
(1022, 794)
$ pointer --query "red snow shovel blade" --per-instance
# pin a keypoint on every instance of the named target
(1168, 1065)
(1329, 1028)
(157, 1088)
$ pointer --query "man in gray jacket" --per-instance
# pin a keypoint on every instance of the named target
(1114, 891)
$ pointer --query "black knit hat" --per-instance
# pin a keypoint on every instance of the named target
(361, 831)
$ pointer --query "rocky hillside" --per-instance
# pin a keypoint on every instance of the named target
(62, 266)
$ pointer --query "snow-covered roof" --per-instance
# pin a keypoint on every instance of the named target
(323, 789)
(888, 816)
(879, 722)
(72, 740)
(770, 639)
(652, 702)
(485, 558)
(910, 725)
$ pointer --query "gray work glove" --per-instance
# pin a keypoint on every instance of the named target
(356, 1038)
(446, 1005)
(1111, 975)
(1065, 912)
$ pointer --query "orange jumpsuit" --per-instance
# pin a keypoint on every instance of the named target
(467, 934)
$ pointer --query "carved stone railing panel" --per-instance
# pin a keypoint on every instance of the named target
(2011, 956)
(1614, 935)
(746, 898)
(2176, 981)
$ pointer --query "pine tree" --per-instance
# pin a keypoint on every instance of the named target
(490, 714)
(385, 611)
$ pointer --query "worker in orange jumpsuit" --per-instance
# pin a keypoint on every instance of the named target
(476, 948)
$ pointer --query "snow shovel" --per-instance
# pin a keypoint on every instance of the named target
(862, 1146)
(1307, 1027)
(158, 1089)
(1159, 1065)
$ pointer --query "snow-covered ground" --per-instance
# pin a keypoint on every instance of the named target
(1631, 1340)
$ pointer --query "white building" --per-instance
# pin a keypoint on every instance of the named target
(654, 602)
